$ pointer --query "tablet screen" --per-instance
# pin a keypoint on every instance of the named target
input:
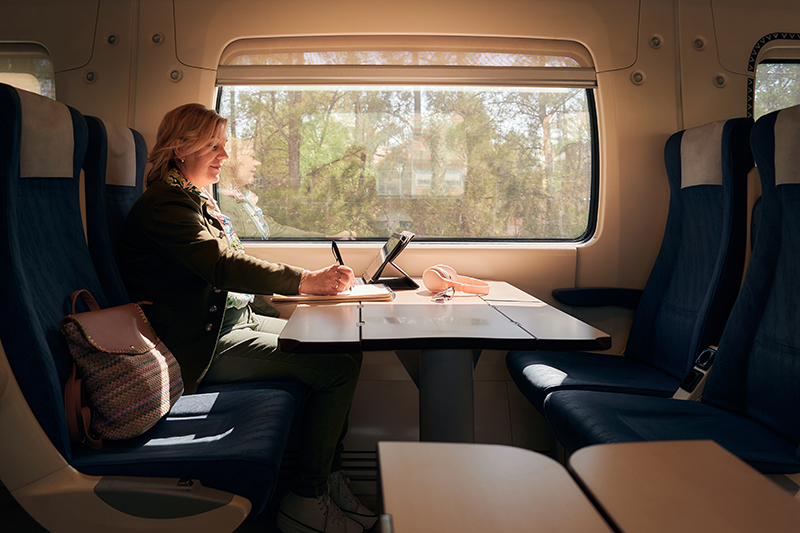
(387, 253)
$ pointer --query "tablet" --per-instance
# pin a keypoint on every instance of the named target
(390, 250)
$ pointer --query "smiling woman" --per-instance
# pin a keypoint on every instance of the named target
(190, 131)
(180, 252)
(202, 167)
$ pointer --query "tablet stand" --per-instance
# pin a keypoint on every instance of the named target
(399, 283)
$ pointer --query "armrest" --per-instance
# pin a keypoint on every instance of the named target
(599, 296)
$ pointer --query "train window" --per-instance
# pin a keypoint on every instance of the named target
(777, 86)
(454, 139)
(27, 67)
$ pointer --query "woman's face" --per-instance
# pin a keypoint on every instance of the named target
(246, 169)
(202, 167)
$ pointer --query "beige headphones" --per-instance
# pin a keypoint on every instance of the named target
(439, 277)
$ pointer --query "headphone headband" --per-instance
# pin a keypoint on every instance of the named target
(439, 277)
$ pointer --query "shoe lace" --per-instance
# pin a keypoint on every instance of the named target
(333, 514)
(339, 482)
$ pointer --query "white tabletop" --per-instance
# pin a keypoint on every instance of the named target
(507, 318)
(481, 488)
(685, 486)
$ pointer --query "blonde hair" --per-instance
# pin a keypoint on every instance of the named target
(189, 128)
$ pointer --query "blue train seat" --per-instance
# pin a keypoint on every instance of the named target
(212, 460)
(749, 405)
(691, 288)
(114, 168)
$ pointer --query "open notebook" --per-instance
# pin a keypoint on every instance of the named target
(358, 293)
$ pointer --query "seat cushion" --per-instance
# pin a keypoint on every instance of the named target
(231, 439)
(538, 373)
(300, 393)
(582, 418)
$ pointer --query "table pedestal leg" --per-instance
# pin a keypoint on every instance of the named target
(446, 396)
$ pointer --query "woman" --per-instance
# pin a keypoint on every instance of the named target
(241, 204)
(181, 253)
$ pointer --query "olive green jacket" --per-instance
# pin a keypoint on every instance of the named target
(175, 254)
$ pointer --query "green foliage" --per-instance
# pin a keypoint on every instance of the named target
(777, 87)
(473, 163)
(338, 196)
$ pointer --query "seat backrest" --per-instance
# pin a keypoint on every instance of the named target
(757, 369)
(114, 171)
(45, 256)
(694, 281)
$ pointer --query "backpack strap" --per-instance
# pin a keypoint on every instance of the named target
(79, 416)
(87, 297)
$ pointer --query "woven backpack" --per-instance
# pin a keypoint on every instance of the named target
(124, 379)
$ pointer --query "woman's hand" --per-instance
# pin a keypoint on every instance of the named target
(328, 281)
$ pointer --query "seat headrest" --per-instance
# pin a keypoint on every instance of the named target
(46, 143)
(701, 155)
(787, 143)
(121, 160)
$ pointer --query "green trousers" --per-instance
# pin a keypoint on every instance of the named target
(247, 351)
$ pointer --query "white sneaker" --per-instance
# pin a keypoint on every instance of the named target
(313, 515)
(344, 498)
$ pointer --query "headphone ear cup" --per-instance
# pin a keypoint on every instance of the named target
(439, 277)
(435, 278)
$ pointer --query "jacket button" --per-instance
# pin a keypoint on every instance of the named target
(208, 327)
(221, 234)
(212, 309)
(217, 290)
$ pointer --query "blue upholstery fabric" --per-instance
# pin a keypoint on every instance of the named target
(107, 206)
(229, 439)
(759, 376)
(750, 403)
(581, 418)
(687, 298)
(45, 259)
(538, 374)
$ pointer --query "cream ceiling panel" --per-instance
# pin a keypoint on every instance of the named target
(66, 29)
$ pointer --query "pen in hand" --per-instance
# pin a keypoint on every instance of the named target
(336, 253)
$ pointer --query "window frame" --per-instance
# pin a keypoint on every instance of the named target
(783, 47)
(583, 76)
(30, 50)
